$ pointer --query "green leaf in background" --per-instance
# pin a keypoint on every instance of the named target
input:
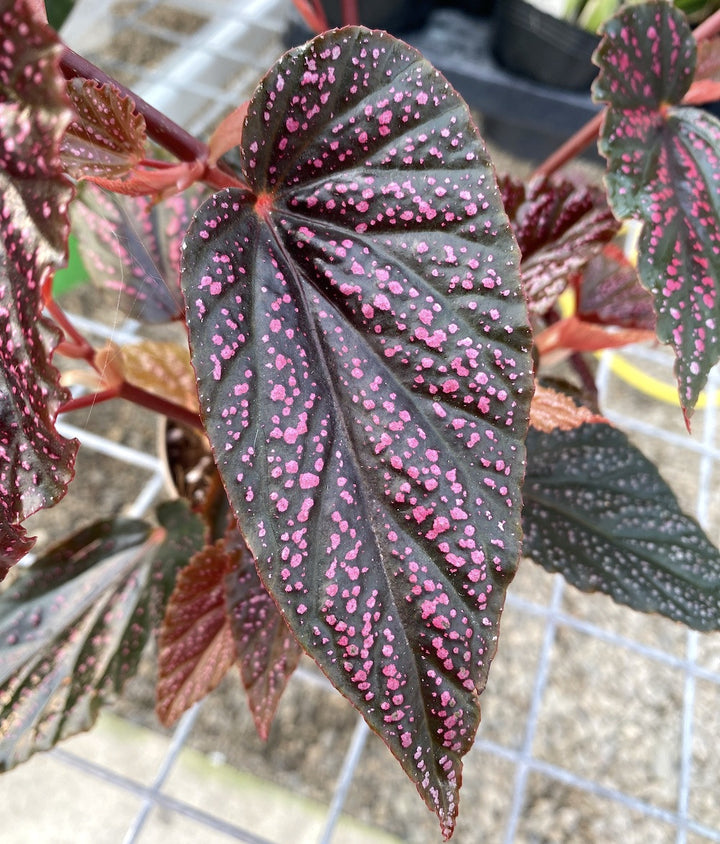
(597, 511)
(57, 11)
(664, 170)
(73, 275)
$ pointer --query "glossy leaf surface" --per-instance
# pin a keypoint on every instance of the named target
(196, 646)
(107, 138)
(559, 227)
(73, 625)
(267, 652)
(597, 510)
(36, 463)
(664, 169)
(131, 246)
(360, 339)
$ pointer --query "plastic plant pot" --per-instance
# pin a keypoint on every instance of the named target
(395, 16)
(531, 43)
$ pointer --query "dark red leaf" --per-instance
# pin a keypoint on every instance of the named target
(559, 227)
(609, 292)
(267, 652)
(360, 339)
(106, 138)
(73, 625)
(132, 246)
(36, 463)
(663, 169)
(196, 646)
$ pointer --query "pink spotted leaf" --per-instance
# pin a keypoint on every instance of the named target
(267, 652)
(132, 246)
(74, 624)
(36, 463)
(597, 510)
(360, 340)
(664, 170)
(559, 227)
(107, 137)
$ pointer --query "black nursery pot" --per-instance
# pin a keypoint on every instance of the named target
(392, 15)
(530, 43)
(477, 8)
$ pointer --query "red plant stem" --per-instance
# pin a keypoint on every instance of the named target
(156, 403)
(160, 128)
(350, 13)
(138, 396)
(572, 147)
(78, 347)
(88, 400)
(709, 28)
(589, 132)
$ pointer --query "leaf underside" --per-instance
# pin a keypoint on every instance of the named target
(36, 463)
(611, 294)
(107, 138)
(360, 340)
(195, 647)
(74, 624)
(664, 170)
(597, 510)
(132, 247)
(559, 227)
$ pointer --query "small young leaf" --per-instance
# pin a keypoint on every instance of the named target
(551, 409)
(162, 368)
(360, 338)
(575, 335)
(597, 510)
(132, 246)
(107, 138)
(196, 645)
(36, 463)
(267, 652)
(559, 227)
(609, 293)
(663, 169)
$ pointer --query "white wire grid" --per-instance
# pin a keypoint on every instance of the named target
(261, 23)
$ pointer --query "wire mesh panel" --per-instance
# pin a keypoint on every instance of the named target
(599, 724)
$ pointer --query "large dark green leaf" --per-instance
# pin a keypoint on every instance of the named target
(361, 344)
(73, 625)
(664, 169)
(597, 510)
(36, 463)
